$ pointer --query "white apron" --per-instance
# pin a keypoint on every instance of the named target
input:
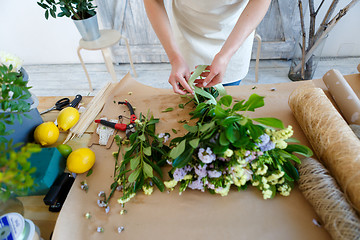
(201, 28)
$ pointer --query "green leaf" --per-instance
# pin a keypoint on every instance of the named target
(178, 150)
(232, 134)
(294, 140)
(291, 170)
(220, 112)
(230, 120)
(194, 143)
(174, 131)
(134, 162)
(255, 130)
(300, 149)
(158, 183)
(142, 138)
(183, 159)
(181, 105)
(89, 172)
(197, 72)
(169, 109)
(207, 126)
(134, 175)
(220, 89)
(192, 129)
(148, 170)
(147, 151)
(254, 101)
(226, 100)
(287, 155)
(223, 140)
(205, 94)
(271, 122)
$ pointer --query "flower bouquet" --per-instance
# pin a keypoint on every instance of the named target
(227, 148)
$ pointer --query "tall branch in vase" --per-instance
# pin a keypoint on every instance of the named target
(304, 69)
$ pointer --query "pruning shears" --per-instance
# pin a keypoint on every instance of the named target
(127, 128)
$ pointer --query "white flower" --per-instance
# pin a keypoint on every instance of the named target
(267, 194)
(223, 191)
(148, 190)
(206, 156)
(170, 184)
(214, 174)
(228, 153)
(122, 201)
(7, 59)
(164, 136)
(262, 171)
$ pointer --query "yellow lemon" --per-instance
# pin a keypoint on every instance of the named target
(64, 149)
(80, 160)
(67, 118)
(46, 133)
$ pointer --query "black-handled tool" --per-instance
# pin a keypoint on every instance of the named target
(57, 188)
(56, 207)
(76, 101)
(59, 105)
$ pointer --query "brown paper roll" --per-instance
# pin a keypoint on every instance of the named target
(344, 96)
(358, 68)
(333, 141)
(329, 202)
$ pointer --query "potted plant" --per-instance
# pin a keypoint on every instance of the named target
(82, 12)
(308, 51)
(15, 170)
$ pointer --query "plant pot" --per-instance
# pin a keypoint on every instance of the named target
(88, 28)
(23, 132)
(309, 66)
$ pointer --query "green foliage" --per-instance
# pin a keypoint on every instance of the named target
(13, 92)
(76, 9)
(142, 159)
(15, 170)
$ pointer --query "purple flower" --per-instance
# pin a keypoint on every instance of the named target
(269, 146)
(179, 174)
(214, 174)
(197, 184)
(206, 156)
(201, 171)
(264, 139)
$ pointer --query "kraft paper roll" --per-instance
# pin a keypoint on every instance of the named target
(329, 202)
(344, 96)
(358, 68)
(333, 141)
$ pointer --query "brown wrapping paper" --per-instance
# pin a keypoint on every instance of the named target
(344, 96)
(332, 139)
(193, 215)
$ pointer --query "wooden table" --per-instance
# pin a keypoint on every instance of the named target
(34, 207)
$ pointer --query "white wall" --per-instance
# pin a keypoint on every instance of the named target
(344, 38)
(25, 32)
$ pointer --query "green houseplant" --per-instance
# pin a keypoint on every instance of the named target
(82, 12)
(15, 170)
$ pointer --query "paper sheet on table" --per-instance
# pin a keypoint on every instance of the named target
(193, 215)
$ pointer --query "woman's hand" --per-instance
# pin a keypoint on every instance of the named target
(217, 71)
(179, 77)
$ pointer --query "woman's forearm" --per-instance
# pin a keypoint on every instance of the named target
(250, 18)
(159, 19)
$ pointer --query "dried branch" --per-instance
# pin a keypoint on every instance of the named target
(326, 19)
(303, 40)
(312, 23)
(317, 10)
(326, 31)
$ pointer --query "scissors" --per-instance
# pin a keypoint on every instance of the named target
(63, 103)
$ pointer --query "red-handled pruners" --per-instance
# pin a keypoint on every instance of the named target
(132, 113)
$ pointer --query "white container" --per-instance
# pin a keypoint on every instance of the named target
(14, 226)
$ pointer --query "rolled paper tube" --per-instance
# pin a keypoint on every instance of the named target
(356, 129)
(344, 96)
(332, 139)
(328, 201)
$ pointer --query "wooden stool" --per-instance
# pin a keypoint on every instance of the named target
(107, 38)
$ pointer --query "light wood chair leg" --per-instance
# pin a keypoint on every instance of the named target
(108, 63)
(85, 70)
(258, 38)
(129, 54)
